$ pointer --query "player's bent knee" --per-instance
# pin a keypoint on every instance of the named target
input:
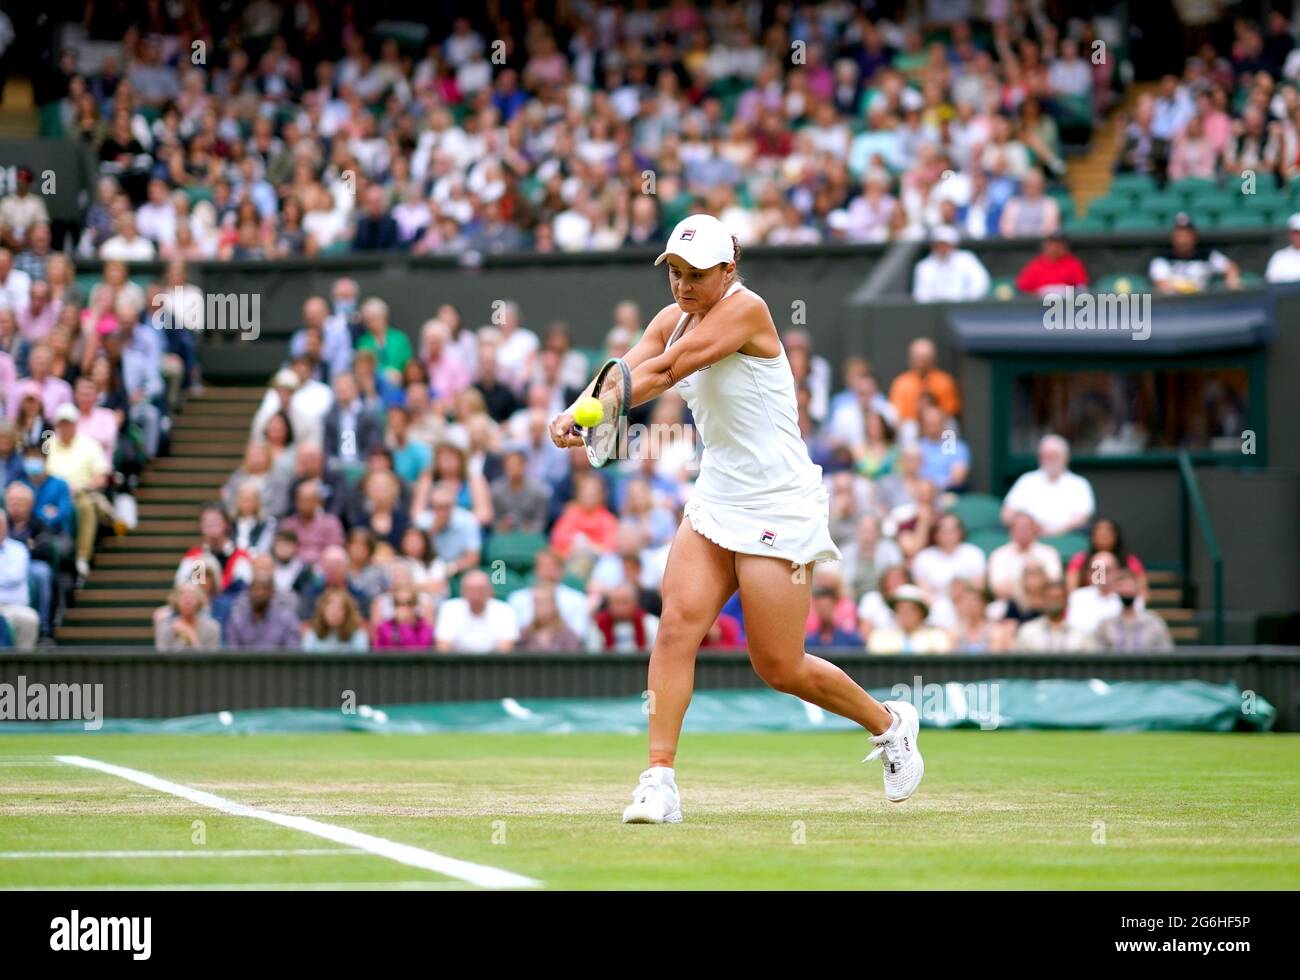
(680, 632)
(785, 674)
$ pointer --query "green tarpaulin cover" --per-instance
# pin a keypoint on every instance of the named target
(992, 704)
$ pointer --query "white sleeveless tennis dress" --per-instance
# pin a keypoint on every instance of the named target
(758, 492)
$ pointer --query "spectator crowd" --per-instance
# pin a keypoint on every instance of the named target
(407, 496)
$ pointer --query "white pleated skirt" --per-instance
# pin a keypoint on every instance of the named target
(797, 531)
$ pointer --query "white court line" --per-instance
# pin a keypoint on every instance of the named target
(476, 874)
(331, 886)
(192, 853)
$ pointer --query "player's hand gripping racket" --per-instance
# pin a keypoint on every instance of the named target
(613, 389)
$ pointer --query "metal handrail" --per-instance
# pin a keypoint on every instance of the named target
(1193, 502)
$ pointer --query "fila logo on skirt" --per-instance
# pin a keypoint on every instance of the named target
(768, 537)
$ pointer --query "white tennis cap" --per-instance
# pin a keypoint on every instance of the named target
(700, 239)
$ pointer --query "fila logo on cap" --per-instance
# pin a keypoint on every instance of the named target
(688, 234)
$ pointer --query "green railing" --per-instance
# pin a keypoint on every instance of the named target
(1194, 503)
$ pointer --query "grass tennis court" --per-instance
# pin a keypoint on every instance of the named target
(996, 810)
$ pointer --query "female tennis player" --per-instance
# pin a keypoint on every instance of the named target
(756, 516)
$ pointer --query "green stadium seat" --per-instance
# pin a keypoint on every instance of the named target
(1003, 288)
(1142, 221)
(1110, 206)
(989, 539)
(978, 511)
(1123, 283)
(1214, 202)
(1252, 280)
(1164, 204)
(1067, 545)
(1245, 219)
(1132, 184)
(516, 548)
(1190, 187)
(1092, 224)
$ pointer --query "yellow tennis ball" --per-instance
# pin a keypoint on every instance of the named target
(588, 412)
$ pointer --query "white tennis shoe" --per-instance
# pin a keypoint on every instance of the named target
(897, 751)
(655, 799)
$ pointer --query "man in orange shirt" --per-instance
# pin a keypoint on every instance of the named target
(922, 375)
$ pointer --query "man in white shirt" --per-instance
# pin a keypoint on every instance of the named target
(1007, 563)
(1284, 265)
(1060, 501)
(15, 285)
(15, 597)
(128, 245)
(476, 622)
(1093, 604)
(949, 274)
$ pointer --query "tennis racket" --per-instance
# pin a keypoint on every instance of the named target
(605, 441)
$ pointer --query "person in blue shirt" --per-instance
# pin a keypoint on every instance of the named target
(53, 498)
(945, 459)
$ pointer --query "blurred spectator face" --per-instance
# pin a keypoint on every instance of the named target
(970, 604)
(212, 526)
(545, 611)
(310, 460)
(933, 421)
(1054, 600)
(84, 395)
(591, 493)
(1053, 458)
(622, 602)
(1105, 535)
(345, 389)
(909, 462)
(335, 610)
(948, 532)
(547, 567)
(909, 616)
(189, 601)
(515, 466)
(1024, 529)
(920, 353)
(477, 589)
(444, 502)
(405, 606)
(18, 502)
(1126, 585)
(260, 591)
(824, 602)
(284, 550)
(38, 362)
(307, 500)
(892, 579)
(334, 566)
(868, 532)
(1102, 570)
(248, 500)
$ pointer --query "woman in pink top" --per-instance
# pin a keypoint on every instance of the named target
(407, 630)
(96, 421)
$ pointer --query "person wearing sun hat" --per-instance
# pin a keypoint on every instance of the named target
(949, 274)
(81, 462)
(909, 634)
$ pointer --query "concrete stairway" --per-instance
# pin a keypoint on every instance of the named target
(131, 576)
(1089, 176)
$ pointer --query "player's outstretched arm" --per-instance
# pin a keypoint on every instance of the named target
(650, 345)
(724, 330)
